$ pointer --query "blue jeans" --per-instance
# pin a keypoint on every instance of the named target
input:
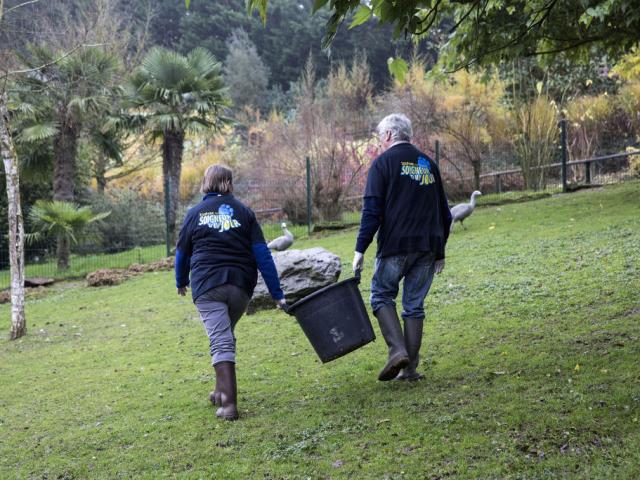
(417, 269)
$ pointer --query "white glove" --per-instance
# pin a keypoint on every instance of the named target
(439, 266)
(358, 259)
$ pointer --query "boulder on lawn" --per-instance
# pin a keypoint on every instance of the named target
(34, 282)
(301, 272)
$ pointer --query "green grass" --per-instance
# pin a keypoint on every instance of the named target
(531, 355)
(493, 199)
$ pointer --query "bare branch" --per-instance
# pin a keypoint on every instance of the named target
(24, 4)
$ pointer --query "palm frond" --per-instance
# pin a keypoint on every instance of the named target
(171, 89)
(203, 62)
(37, 133)
(61, 219)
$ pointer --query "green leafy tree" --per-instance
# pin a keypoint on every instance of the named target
(64, 221)
(171, 95)
(284, 46)
(245, 73)
(493, 30)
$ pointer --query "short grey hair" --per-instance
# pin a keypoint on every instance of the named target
(399, 126)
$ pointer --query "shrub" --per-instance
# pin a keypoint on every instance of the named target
(133, 222)
(535, 139)
(634, 165)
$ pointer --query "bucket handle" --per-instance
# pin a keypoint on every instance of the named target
(357, 274)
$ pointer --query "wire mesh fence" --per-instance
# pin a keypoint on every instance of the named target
(318, 198)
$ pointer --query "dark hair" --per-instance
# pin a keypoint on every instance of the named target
(218, 179)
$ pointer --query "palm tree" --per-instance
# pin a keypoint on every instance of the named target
(52, 103)
(171, 95)
(56, 100)
(64, 221)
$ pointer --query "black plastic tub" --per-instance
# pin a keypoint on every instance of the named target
(334, 319)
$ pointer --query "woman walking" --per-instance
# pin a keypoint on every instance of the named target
(221, 244)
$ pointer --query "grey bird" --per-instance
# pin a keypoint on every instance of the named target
(282, 243)
(460, 212)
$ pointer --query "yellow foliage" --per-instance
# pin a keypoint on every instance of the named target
(472, 110)
(628, 67)
(536, 124)
(628, 100)
(589, 110)
(634, 165)
(148, 182)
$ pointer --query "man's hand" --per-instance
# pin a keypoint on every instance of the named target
(358, 260)
(281, 304)
(182, 291)
(439, 266)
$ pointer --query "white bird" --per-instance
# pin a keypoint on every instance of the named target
(282, 243)
(460, 212)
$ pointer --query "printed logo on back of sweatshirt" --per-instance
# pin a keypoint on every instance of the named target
(222, 220)
(421, 172)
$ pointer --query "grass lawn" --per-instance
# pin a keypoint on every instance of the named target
(531, 351)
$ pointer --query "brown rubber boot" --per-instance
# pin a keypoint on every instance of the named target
(413, 341)
(227, 388)
(392, 333)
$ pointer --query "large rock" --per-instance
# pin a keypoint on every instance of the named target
(38, 282)
(301, 272)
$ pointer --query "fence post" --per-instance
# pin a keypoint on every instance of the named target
(498, 184)
(167, 206)
(438, 153)
(563, 145)
(587, 173)
(308, 196)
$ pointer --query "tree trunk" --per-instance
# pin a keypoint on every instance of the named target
(477, 167)
(100, 173)
(65, 147)
(62, 250)
(171, 169)
(16, 226)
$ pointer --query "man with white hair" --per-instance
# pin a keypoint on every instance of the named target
(405, 203)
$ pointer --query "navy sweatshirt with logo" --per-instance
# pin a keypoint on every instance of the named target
(404, 201)
(221, 242)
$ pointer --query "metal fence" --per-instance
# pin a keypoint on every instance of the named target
(314, 200)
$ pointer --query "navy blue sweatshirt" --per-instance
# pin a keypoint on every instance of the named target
(404, 201)
(221, 242)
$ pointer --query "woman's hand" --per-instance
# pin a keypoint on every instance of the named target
(182, 291)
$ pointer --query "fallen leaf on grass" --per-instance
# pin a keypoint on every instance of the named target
(577, 367)
(384, 420)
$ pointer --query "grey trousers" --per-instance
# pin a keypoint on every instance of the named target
(220, 309)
